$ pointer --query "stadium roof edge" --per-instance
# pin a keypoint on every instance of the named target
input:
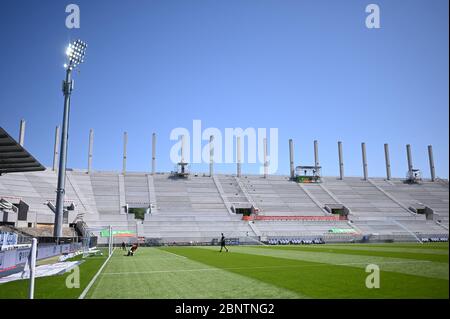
(14, 158)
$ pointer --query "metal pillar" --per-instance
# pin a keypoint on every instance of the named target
(431, 160)
(211, 156)
(125, 142)
(291, 159)
(22, 132)
(182, 148)
(409, 157)
(266, 164)
(238, 164)
(364, 159)
(388, 161)
(153, 153)
(60, 191)
(55, 149)
(91, 145)
(341, 161)
(316, 153)
(32, 264)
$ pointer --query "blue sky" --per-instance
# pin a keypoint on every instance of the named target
(309, 68)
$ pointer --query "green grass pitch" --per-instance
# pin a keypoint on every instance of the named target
(316, 271)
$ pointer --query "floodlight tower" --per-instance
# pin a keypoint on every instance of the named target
(75, 55)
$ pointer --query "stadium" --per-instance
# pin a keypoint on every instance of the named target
(311, 228)
(272, 223)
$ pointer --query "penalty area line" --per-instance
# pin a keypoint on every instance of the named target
(180, 256)
(86, 290)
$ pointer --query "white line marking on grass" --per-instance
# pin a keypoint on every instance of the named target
(257, 267)
(86, 290)
(173, 253)
(160, 271)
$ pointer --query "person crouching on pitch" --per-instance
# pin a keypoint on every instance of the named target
(222, 243)
(132, 250)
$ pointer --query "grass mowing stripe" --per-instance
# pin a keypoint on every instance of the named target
(437, 246)
(366, 252)
(86, 290)
(319, 280)
(432, 269)
(176, 285)
(248, 268)
(53, 287)
(387, 248)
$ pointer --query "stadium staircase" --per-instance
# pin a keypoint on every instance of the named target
(306, 188)
(407, 230)
(255, 229)
(246, 193)
(225, 200)
(152, 194)
(442, 225)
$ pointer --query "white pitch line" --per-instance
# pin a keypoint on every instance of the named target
(173, 253)
(86, 290)
(160, 271)
(259, 267)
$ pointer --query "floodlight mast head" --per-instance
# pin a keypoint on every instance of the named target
(75, 53)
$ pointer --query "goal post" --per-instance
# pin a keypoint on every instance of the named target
(111, 240)
(32, 265)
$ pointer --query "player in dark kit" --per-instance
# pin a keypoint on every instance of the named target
(222, 243)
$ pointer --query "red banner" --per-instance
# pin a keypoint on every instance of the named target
(307, 218)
